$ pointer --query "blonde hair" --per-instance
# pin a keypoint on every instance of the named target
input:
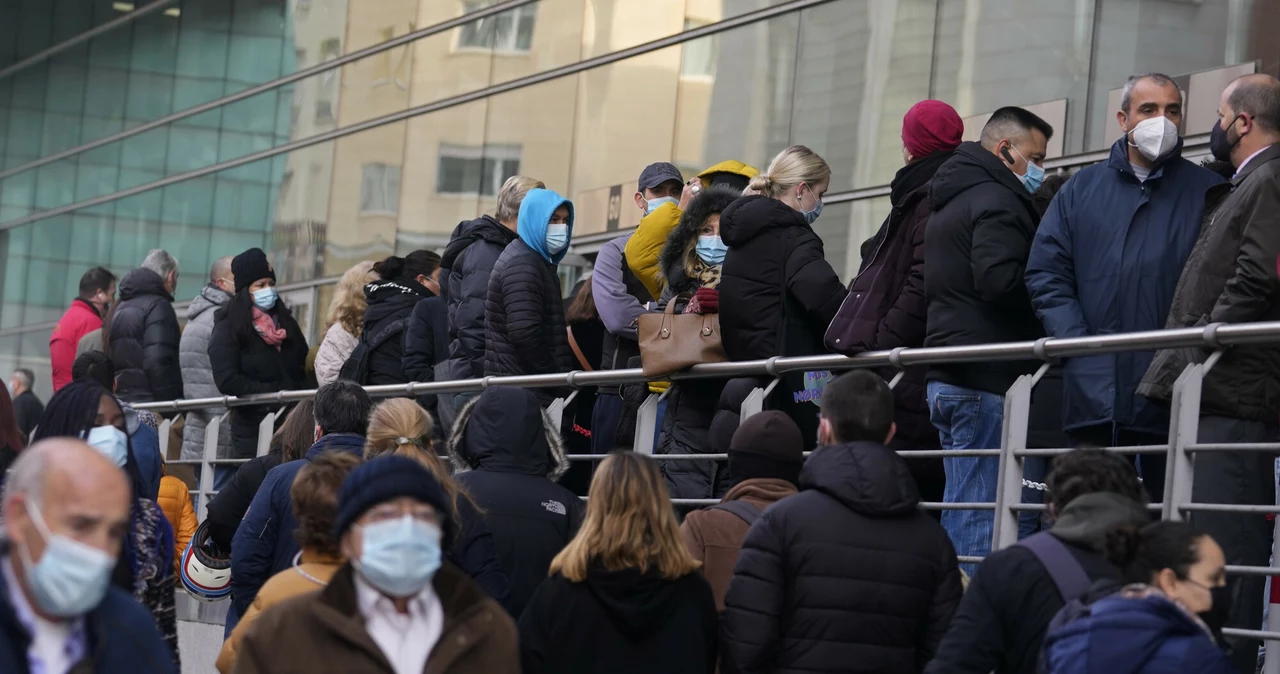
(512, 193)
(401, 427)
(629, 524)
(794, 165)
(348, 303)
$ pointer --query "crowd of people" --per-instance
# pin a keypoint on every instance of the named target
(447, 532)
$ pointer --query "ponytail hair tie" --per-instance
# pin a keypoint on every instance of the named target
(408, 441)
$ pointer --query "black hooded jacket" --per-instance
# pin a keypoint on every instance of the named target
(975, 250)
(390, 301)
(846, 576)
(143, 340)
(509, 455)
(464, 283)
(621, 622)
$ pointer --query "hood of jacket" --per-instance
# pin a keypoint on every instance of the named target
(708, 202)
(748, 217)
(972, 165)
(866, 477)
(142, 281)
(767, 489)
(638, 603)
(504, 430)
(730, 166)
(484, 228)
(350, 443)
(535, 213)
(1086, 520)
(210, 297)
(1127, 633)
(389, 297)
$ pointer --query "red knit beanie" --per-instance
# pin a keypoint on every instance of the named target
(931, 126)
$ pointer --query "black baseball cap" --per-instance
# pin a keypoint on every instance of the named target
(656, 174)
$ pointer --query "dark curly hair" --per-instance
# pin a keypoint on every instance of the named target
(680, 243)
(1088, 470)
(314, 496)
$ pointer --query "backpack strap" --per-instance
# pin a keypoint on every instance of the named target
(745, 511)
(387, 332)
(1066, 571)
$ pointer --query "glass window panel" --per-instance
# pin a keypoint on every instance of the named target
(66, 90)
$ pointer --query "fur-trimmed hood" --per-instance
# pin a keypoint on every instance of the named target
(504, 430)
(712, 200)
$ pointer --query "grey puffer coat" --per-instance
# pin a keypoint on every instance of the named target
(197, 373)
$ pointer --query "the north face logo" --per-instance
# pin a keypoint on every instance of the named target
(555, 507)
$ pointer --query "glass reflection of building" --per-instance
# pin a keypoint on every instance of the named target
(836, 76)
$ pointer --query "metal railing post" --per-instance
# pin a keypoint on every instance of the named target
(1184, 429)
(208, 454)
(265, 430)
(1013, 438)
(754, 403)
(165, 425)
(647, 423)
(557, 407)
(1271, 659)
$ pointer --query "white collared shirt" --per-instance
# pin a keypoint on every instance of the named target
(55, 646)
(406, 639)
(1249, 159)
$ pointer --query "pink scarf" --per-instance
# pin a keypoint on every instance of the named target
(267, 329)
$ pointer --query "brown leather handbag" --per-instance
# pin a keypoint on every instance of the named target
(670, 342)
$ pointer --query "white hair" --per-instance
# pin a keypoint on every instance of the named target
(27, 474)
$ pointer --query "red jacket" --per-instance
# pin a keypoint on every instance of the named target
(80, 319)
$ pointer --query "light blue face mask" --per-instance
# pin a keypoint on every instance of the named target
(1033, 177)
(71, 578)
(655, 203)
(711, 249)
(811, 216)
(400, 556)
(111, 442)
(265, 298)
(557, 238)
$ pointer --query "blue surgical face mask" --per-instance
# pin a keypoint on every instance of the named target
(557, 238)
(655, 203)
(1034, 175)
(711, 249)
(265, 298)
(811, 215)
(111, 442)
(400, 556)
(71, 578)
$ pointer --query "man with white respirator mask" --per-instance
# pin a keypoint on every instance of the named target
(395, 607)
(1106, 260)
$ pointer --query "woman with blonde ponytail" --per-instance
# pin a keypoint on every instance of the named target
(400, 426)
(778, 294)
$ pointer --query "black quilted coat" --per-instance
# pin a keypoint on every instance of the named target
(144, 339)
(524, 326)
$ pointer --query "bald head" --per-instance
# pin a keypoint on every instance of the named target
(221, 277)
(1258, 96)
(57, 464)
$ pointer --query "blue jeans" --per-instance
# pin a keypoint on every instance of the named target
(968, 419)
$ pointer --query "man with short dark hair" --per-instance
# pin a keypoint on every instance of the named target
(26, 404)
(975, 252)
(849, 569)
(264, 543)
(1002, 619)
(1106, 260)
(1230, 277)
(97, 291)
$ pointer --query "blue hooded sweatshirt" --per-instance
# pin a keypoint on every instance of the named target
(535, 212)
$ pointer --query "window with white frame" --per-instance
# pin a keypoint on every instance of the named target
(469, 169)
(698, 57)
(510, 31)
(379, 189)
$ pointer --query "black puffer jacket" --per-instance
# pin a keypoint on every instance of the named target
(846, 576)
(426, 345)
(509, 456)
(525, 332)
(975, 249)
(144, 340)
(229, 505)
(389, 301)
(255, 367)
(778, 294)
(691, 405)
(466, 266)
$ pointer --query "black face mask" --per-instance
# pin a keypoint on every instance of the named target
(1216, 617)
(1220, 144)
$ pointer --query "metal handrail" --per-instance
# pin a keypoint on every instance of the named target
(1210, 336)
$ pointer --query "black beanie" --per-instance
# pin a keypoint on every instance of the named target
(768, 444)
(387, 478)
(250, 266)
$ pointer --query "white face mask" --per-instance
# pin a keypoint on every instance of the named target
(1154, 137)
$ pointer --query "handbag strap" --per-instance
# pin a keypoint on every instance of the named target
(577, 353)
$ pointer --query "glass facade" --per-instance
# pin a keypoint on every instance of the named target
(388, 152)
